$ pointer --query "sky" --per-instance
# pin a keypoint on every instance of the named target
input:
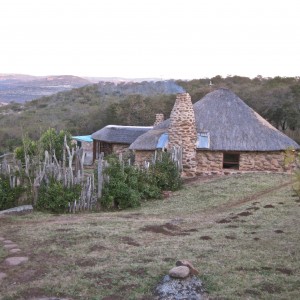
(165, 39)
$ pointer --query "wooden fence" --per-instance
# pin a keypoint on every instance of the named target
(70, 171)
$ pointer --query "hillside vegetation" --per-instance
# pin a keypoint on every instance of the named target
(85, 110)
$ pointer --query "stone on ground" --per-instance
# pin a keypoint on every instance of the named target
(10, 246)
(8, 242)
(179, 272)
(2, 238)
(16, 250)
(188, 264)
(14, 261)
(23, 209)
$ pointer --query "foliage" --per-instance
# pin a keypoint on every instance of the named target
(128, 185)
(55, 197)
(121, 189)
(53, 141)
(29, 147)
(50, 140)
(8, 196)
(165, 172)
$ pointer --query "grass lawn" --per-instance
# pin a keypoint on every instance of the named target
(240, 231)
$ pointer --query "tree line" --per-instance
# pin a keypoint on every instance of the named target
(87, 109)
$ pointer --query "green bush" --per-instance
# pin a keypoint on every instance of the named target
(8, 196)
(128, 185)
(53, 141)
(148, 186)
(29, 146)
(121, 191)
(166, 173)
(55, 197)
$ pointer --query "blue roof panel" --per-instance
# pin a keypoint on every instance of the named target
(162, 141)
(83, 138)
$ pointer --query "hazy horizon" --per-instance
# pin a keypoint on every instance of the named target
(150, 39)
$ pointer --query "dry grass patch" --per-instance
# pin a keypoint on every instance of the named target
(242, 249)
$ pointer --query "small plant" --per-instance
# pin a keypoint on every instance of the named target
(121, 190)
(53, 141)
(8, 196)
(166, 173)
(55, 197)
(128, 185)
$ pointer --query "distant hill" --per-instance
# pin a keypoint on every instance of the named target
(146, 88)
(120, 79)
(22, 88)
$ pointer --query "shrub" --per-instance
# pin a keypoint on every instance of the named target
(55, 197)
(29, 146)
(128, 185)
(53, 141)
(121, 190)
(147, 185)
(8, 196)
(166, 173)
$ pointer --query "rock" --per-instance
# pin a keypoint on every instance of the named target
(14, 250)
(2, 275)
(188, 264)
(17, 210)
(8, 242)
(14, 261)
(179, 289)
(179, 272)
(1, 238)
(10, 246)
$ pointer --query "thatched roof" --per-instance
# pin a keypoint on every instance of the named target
(120, 134)
(232, 126)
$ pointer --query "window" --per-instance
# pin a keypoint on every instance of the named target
(203, 141)
(163, 141)
(231, 161)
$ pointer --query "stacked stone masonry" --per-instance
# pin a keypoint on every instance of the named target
(119, 148)
(212, 162)
(260, 161)
(159, 118)
(142, 156)
(182, 132)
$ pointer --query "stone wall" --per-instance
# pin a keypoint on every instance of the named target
(143, 155)
(263, 161)
(182, 132)
(209, 161)
(159, 118)
(119, 148)
(212, 162)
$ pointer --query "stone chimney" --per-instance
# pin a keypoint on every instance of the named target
(159, 118)
(182, 132)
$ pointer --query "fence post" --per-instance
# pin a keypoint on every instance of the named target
(100, 175)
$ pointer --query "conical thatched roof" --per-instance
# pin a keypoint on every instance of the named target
(232, 126)
(120, 134)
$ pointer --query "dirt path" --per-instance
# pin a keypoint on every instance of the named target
(253, 197)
